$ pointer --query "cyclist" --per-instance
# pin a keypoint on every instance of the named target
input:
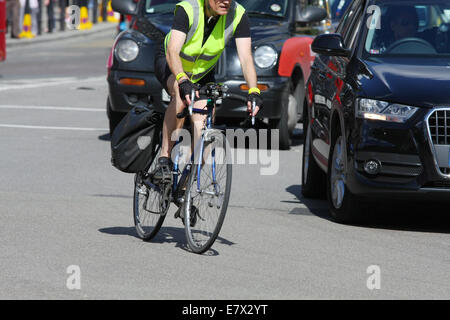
(187, 58)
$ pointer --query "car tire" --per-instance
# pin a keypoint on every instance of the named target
(344, 206)
(281, 125)
(313, 177)
(114, 117)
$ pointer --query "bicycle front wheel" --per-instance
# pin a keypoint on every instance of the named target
(207, 193)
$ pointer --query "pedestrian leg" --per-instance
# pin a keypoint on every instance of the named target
(104, 8)
(50, 16)
(39, 16)
(34, 19)
(13, 14)
(95, 11)
(62, 14)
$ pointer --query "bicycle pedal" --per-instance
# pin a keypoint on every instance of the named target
(179, 213)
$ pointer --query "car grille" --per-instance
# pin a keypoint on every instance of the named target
(439, 124)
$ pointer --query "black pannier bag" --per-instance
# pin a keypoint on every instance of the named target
(134, 139)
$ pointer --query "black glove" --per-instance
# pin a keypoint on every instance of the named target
(257, 98)
(186, 87)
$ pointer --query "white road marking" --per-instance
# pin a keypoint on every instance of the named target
(52, 108)
(51, 128)
(46, 82)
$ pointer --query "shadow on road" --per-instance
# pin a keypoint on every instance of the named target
(165, 235)
(389, 214)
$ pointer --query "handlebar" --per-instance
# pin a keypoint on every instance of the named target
(214, 91)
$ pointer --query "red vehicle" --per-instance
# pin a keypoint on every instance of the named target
(2, 30)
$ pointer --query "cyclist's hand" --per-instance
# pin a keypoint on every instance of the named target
(259, 103)
(186, 87)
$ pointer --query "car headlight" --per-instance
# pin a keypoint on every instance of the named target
(265, 57)
(127, 50)
(384, 111)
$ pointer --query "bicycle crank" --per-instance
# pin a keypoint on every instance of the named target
(165, 198)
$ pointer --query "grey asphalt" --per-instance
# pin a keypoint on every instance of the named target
(63, 204)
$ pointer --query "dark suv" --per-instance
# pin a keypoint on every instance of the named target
(282, 61)
(377, 113)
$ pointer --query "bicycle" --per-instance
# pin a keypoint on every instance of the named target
(203, 185)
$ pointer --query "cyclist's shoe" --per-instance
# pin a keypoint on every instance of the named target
(194, 215)
(179, 213)
(163, 171)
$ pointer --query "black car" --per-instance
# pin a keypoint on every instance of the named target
(377, 118)
(282, 61)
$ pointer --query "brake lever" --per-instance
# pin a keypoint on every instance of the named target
(191, 106)
(253, 110)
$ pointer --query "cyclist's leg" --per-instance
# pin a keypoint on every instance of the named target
(171, 122)
(197, 123)
(169, 83)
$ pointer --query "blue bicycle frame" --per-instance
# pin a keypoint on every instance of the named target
(187, 168)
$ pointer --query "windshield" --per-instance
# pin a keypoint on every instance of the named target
(160, 6)
(271, 8)
(408, 29)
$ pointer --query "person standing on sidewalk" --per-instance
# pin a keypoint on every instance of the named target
(39, 17)
(63, 4)
(13, 16)
(50, 15)
(104, 10)
(94, 11)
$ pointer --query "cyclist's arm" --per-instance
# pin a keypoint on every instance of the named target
(174, 46)
(244, 49)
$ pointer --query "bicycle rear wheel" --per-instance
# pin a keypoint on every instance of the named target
(207, 193)
(148, 208)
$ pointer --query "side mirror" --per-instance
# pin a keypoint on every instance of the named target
(125, 7)
(310, 14)
(330, 44)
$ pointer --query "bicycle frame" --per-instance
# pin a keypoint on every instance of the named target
(187, 169)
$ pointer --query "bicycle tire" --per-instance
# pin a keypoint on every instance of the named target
(200, 240)
(142, 195)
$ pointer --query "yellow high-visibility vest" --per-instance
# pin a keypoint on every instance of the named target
(199, 59)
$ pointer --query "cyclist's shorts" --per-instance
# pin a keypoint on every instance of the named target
(163, 72)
